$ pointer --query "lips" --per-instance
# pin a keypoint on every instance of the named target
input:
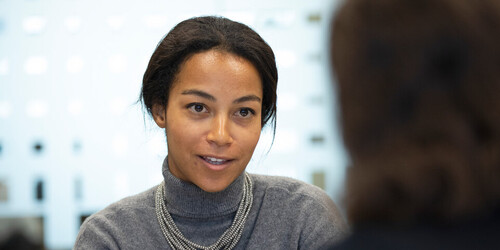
(216, 161)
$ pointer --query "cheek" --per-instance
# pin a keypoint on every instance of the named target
(251, 138)
(181, 134)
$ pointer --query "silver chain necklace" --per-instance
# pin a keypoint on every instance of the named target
(227, 240)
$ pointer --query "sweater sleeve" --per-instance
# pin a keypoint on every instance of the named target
(94, 235)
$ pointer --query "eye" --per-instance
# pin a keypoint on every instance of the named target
(197, 107)
(244, 112)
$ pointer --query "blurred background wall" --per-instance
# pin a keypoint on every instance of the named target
(73, 139)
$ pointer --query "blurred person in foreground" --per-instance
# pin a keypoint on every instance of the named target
(418, 83)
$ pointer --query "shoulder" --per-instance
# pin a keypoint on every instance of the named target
(301, 207)
(288, 187)
(108, 226)
(127, 206)
(294, 197)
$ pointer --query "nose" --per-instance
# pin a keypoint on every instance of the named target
(219, 132)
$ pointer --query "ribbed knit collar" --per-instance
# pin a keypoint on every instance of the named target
(186, 199)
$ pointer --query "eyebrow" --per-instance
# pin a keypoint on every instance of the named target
(247, 98)
(199, 93)
(210, 97)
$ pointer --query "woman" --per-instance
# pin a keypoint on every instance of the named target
(211, 84)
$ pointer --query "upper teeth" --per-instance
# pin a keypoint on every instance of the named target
(214, 159)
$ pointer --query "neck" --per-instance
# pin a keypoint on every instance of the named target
(186, 199)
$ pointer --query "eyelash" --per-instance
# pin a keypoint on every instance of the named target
(250, 111)
(192, 106)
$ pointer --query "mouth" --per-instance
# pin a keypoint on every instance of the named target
(216, 161)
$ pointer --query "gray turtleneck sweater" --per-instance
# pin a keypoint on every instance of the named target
(286, 214)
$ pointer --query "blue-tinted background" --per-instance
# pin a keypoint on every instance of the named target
(72, 138)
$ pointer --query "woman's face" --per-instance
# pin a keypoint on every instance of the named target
(213, 119)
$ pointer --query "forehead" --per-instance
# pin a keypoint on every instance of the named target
(219, 70)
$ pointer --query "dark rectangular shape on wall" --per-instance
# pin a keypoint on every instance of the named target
(39, 190)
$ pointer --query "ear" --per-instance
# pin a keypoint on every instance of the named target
(159, 115)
